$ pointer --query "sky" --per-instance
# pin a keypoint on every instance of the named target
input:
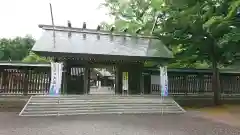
(21, 17)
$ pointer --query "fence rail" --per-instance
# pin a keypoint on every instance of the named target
(199, 82)
(30, 80)
(24, 80)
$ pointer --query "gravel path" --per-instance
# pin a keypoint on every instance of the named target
(186, 124)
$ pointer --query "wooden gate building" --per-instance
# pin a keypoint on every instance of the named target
(81, 49)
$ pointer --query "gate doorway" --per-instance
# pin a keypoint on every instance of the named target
(102, 81)
(75, 81)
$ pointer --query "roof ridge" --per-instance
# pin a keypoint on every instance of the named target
(92, 31)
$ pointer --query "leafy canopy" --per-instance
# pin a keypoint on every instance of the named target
(190, 28)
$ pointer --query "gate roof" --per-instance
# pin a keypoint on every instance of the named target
(78, 42)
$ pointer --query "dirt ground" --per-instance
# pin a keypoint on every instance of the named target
(155, 124)
(228, 114)
(222, 120)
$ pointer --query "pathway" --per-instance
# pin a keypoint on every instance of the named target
(186, 124)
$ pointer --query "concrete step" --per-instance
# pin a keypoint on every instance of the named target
(100, 113)
(74, 105)
(99, 97)
(99, 108)
(114, 111)
(84, 99)
(99, 101)
(94, 105)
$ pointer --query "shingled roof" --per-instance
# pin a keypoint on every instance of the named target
(92, 42)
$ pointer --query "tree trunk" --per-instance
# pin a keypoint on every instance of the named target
(216, 83)
(215, 77)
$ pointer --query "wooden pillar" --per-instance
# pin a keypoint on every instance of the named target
(147, 84)
(86, 80)
(89, 77)
(118, 80)
(68, 78)
(142, 83)
(64, 78)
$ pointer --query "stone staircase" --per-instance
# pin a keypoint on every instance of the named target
(98, 104)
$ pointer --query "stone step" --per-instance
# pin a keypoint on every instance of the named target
(80, 103)
(74, 105)
(103, 111)
(98, 97)
(49, 99)
(100, 108)
(102, 99)
(105, 99)
(95, 105)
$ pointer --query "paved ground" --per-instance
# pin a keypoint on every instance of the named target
(228, 114)
(102, 90)
(186, 124)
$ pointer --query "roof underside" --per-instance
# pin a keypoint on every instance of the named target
(85, 43)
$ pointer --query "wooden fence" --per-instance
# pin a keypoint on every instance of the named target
(25, 79)
(28, 79)
(193, 81)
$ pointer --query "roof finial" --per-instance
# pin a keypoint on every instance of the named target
(112, 29)
(69, 24)
(98, 28)
(84, 25)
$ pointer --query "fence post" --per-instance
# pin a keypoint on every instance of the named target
(221, 80)
(201, 83)
(5, 81)
(26, 74)
(185, 84)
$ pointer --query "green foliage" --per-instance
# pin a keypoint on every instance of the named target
(32, 57)
(133, 14)
(199, 27)
(15, 49)
(18, 49)
(197, 31)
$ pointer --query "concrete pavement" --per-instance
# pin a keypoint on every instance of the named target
(184, 124)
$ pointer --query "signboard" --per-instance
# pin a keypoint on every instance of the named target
(125, 81)
(164, 81)
(56, 78)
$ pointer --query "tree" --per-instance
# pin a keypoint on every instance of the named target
(32, 57)
(196, 30)
(131, 14)
(205, 30)
(15, 49)
(135, 14)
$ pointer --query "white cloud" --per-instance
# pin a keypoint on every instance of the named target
(21, 17)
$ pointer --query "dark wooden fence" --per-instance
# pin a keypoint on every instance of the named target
(24, 79)
(198, 81)
(30, 79)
